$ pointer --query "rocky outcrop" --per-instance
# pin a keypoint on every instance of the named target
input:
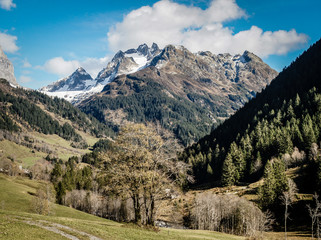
(6, 69)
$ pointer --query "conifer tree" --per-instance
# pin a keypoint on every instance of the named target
(228, 171)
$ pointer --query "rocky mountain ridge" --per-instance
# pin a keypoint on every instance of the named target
(247, 70)
(184, 92)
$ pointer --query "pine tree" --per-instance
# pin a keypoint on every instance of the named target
(275, 183)
(228, 171)
(308, 134)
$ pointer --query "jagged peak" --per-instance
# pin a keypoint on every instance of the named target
(248, 56)
(118, 55)
(80, 69)
(154, 47)
(143, 49)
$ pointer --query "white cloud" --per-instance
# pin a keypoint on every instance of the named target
(8, 42)
(25, 72)
(167, 22)
(24, 79)
(26, 64)
(60, 66)
(64, 68)
(7, 4)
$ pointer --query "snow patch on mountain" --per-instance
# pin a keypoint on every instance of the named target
(80, 85)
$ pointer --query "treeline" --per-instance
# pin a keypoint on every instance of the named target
(127, 181)
(86, 185)
(285, 115)
(78, 184)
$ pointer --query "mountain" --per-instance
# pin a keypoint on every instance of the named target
(80, 85)
(44, 124)
(6, 69)
(181, 91)
(80, 80)
(281, 122)
(127, 62)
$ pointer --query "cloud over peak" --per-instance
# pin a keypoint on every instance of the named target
(63, 68)
(167, 22)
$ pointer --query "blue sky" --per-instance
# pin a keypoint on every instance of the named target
(47, 40)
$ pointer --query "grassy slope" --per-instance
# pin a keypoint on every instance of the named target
(21, 154)
(15, 209)
(27, 157)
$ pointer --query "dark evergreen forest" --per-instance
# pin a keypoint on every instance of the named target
(21, 107)
(283, 116)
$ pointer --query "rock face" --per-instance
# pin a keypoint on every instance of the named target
(182, 91)
(75, 86)
(80, 80)
(80, 84)
(237, 77)
(128, 62)
(6, 69)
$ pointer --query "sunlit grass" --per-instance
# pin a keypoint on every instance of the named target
(15, 205)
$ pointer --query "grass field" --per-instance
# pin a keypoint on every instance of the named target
(27, 157)
(21, 154)
(17, 220)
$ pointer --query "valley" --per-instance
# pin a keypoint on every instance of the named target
(182, 130)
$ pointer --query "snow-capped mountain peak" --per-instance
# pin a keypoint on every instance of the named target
(80, 80)
(80, 84)
(127, 62)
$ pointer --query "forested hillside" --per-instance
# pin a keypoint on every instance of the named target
(26, 109)
(282, 119)
(150, 103)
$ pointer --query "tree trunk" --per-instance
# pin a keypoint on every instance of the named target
(285, 218)
(136, 205)
(312, 228)
(152, 209)
(318, 229)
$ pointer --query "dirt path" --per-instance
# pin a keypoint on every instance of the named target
(58, 228)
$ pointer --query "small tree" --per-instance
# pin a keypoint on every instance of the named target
(315, 213)
(275, 183)
(286, 199)
(228, 171)
(42, 203)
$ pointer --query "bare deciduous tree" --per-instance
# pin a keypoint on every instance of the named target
(228, 213)
(42, 202)
(287, 198)
(315, 213)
